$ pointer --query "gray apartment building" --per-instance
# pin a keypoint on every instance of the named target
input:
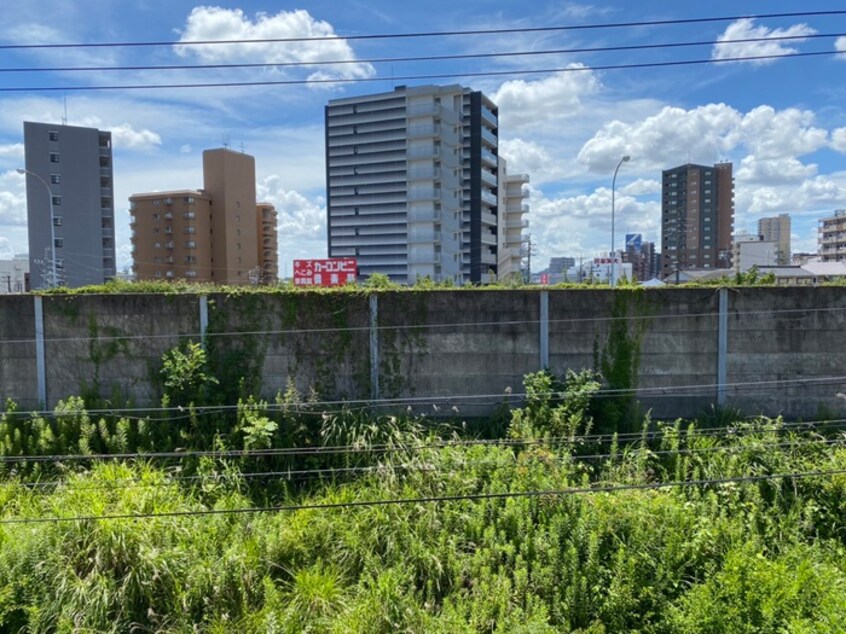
(70, 204)
(697, 217)
(413, 185)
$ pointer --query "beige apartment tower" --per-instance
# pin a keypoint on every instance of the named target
(777, 229)
(217, 234)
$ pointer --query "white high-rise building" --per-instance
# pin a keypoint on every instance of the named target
(413, 186)
(777, 229)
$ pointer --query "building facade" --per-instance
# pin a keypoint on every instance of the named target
(511, 223)
(697, 217)
(70, 205)
(14, 275)
(777, 230)
(831, 237)
(749, 250)
(645, 260)
(215, 234)
(413, 183)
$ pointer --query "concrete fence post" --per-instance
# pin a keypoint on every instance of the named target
(204, 318)
(374, 347)
(40, 355)
(543, 327)
(722, 347)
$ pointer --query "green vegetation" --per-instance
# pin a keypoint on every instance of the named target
(600, 544)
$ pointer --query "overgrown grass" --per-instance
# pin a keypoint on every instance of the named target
(757, 556)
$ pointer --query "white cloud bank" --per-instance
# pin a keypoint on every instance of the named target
(216, 23)
(745, 29)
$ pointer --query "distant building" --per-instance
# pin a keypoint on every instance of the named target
(777, 230)
(215, 234)
(70, 172)
(645, 261)
(14, 275)
(413, 184)
(511, 207)
(697, 216)
(561, 264)
(832, 237)
(751, 250)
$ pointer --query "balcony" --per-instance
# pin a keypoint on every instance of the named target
(488, 238)
(424, 174)
(488, 198)
(424, 193)
(424, 258)
(489, 158)
(422, 237)
(489, 178)
(489, 117)
(424, 215)
(423, 131)
(426, 151)
(489, 137)
(424, 110)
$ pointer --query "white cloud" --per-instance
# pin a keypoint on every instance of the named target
(642, 187)
(745, 28)
(526, 104)
(12, 199)
(12, 150)
(301, 221)
(185, 149)
(216, 23)
(529, 157)
(124, 136)
(789, 169)
(838, 139)
(703, 135)
(840, 45)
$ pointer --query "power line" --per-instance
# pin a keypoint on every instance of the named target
(335, 450)
(425, 34)
(420, 58)
(429, 76)
(425, 326)
(557, 493)
(291, 474)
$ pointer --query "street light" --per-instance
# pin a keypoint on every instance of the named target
(53, 276)
(613, 188)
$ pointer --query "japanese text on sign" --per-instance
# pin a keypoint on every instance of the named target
(330, 272)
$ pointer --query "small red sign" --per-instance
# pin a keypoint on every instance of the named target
(544, 279)
(330, 272)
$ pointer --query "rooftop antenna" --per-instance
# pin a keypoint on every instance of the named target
(225, 140)
(243, 147)
(65, 115)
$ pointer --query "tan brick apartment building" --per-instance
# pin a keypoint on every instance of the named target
(216, 234)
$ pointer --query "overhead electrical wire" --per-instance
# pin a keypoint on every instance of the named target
(421, 58)
(427, 326)
(427, 76)
(288, 475)
(729, 432)
(435, 499)
(426, 34)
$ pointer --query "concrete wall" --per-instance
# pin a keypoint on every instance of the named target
(785, 352)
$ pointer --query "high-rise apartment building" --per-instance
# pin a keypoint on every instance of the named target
(777, 229)
(511, 207)
(413, 184)
(832, 237)
(215, 234)
(697, 217)
(70, 205)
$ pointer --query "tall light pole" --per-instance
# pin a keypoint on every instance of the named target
(613, 194)
(54, 278)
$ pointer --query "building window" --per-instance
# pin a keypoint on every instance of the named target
(57, 201)
(157, 245)
(190, 273)
(155, 216)
(53, 135)
(54, 157)
(190, 230)
(158, 273)
(57, 221)
(190, 244)
(58, 243)
(55, 179)
(155, 229)
(157, 260)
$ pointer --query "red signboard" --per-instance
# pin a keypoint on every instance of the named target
(544, 279)
(331, 272)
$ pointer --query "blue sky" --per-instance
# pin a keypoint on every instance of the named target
(782, 123)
